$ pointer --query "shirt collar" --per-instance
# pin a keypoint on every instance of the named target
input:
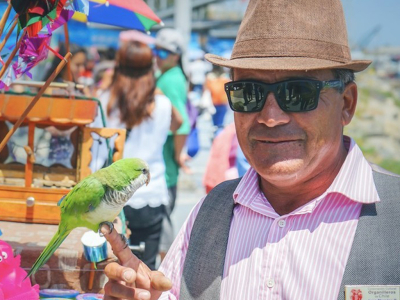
(354, 180)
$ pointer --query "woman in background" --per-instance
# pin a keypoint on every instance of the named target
(76, 63)
(132, 102)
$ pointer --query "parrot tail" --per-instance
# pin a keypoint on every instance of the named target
(51, 247)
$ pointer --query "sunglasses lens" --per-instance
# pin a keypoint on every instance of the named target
(298, 96)
(161, 53)
(292, 95)
(246, 96)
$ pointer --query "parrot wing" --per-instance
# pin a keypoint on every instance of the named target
(84, 197)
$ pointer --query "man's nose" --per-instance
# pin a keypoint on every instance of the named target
(271, 114)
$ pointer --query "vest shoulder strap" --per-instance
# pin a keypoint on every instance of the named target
(205, 258)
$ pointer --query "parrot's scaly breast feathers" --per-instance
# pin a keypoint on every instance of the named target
(115, 199)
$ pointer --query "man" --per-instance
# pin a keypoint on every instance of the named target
(311, 218)
(172, 82)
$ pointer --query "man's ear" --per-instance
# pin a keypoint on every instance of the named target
(349, 103)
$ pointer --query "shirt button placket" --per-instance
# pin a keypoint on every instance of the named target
(270, 283)
(282, 223)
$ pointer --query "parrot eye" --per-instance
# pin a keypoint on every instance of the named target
(144, 171)
(1, 258)
(4, 254)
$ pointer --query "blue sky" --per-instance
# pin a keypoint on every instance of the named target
(362, 16)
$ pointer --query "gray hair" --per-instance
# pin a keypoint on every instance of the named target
(344, 75)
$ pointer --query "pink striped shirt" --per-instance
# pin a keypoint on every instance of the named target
(298, 256)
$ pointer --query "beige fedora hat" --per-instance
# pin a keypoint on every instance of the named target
(292, 35)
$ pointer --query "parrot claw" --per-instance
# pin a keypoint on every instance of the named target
(124, 239)
(109, 224)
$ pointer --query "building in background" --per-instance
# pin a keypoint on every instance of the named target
(210, 25)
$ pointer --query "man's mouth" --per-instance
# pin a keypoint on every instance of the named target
(276, 141)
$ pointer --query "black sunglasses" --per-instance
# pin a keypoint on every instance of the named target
(297, 95)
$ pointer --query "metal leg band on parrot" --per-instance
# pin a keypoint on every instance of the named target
(109, 224)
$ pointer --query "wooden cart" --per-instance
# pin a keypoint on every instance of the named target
(30, 189)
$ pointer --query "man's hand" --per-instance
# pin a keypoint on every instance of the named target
(183, 158)
(132, 280)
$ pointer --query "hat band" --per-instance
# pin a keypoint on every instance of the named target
(274, 47)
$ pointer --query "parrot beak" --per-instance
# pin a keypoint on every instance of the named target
(148, 179)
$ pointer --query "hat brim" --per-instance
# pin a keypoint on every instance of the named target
(286, 63)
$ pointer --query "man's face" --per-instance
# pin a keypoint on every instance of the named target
(289, 148)
(166, 60)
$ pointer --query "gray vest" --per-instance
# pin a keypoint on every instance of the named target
(374, 257)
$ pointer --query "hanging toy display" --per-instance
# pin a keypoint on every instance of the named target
(33, 50)
(34, 15)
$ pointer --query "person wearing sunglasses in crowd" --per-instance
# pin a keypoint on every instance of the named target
(311, 218)
(169, 47)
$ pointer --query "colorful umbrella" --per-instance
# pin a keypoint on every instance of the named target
(131, 14)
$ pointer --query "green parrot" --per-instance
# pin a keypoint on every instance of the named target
(96, 200)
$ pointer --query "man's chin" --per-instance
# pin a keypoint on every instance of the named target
(282, 170)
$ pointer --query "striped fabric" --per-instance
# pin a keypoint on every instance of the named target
(298, 256)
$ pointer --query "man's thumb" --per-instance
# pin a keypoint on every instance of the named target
(159, 282)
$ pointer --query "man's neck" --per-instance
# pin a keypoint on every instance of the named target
(167, 69)
(285, 199)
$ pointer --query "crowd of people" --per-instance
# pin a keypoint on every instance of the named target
(144, 88)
